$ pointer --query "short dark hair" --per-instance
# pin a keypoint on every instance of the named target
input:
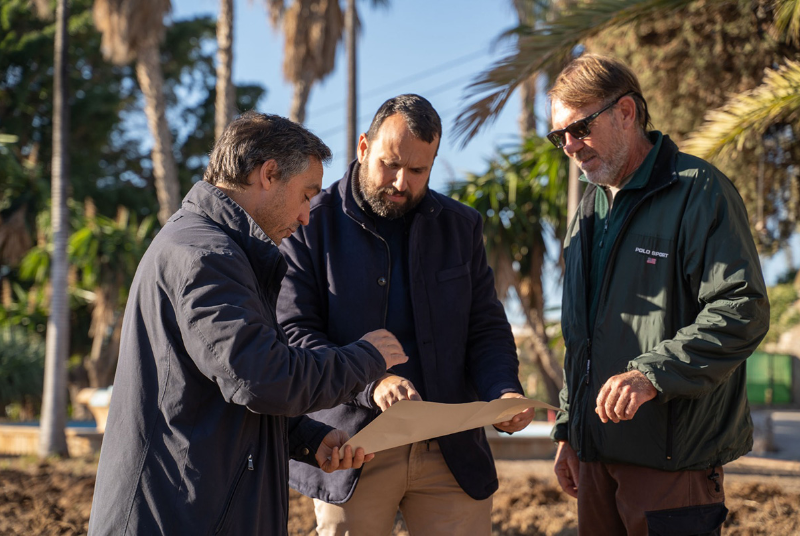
(593, 77)
(253, 138)
(422, 120)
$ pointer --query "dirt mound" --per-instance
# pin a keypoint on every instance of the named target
(44, 501)
(55, 498)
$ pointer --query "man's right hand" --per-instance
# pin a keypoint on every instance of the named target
(391, 389)
(388, 345)
(567, 469)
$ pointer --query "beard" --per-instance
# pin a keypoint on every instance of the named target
(609, 172)
(377, 196)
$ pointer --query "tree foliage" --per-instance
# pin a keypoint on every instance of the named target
(109, 152)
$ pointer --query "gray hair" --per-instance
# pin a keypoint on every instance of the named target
(254, 138)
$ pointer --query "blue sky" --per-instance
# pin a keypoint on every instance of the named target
(433, 48)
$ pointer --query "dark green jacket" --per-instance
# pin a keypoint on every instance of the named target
(683, 300)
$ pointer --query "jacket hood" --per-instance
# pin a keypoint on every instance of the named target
(208, 201)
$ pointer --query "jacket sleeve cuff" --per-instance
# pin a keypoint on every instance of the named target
(500, 389)
(305, 437)
(559, 432)
(650, 374)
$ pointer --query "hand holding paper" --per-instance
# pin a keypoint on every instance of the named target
(409, 421)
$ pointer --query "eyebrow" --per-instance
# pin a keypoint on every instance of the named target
(316, 189)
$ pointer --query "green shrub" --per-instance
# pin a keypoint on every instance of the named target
(21, 372)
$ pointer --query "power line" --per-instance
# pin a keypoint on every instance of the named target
(431, 93)
(411, 78)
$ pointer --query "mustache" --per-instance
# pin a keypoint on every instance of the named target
(391, 190)
(585, 154)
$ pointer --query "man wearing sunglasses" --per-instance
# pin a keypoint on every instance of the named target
(663, 302)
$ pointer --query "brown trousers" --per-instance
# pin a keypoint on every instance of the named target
(415, 479)
(620, 499)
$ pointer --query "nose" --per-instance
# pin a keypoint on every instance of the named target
(571, 144)
(400, 182)
(305, 214)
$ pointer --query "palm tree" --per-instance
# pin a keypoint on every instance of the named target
(133, 30)
(521, 197)
(105, 253)
(545, 46)
(312, 30)
(52, 439)
(225, 107)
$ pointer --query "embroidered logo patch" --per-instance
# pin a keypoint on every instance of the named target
(651, 254)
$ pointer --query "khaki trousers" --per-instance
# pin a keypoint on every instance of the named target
(620, 499)
(415, 479)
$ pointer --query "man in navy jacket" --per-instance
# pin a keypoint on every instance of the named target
(382, 250)
(198, 439)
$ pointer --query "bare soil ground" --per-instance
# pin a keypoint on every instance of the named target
(55, 498)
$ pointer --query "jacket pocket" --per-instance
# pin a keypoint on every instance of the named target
(452, 273)
(703, 520)
(247, 463)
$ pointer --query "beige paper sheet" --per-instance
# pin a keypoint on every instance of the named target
(409, 421)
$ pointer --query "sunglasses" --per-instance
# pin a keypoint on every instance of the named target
(580, 128)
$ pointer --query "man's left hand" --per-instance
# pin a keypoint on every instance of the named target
(622, 395)
(518, 421)
(328, 453)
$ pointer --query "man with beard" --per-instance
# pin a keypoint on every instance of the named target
(382, 250)
(663, 302)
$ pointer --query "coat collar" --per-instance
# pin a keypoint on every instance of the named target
(429, 207)
(208, 201)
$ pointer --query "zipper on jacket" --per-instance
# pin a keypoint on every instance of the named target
(232, 493)
(588, 359)
(250, 466)
(605, 230)
(670, 416)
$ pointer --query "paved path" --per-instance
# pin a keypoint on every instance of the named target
(776, 444)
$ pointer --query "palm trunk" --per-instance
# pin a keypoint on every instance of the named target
(527, 90)
(52, 439)
(165, 171)
(527, 117)
(573, 190)
(225, 106)
(105, 331)
(300, 94)
(352, 99)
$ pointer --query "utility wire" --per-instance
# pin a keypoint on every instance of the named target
(430, 93)
(457, 62)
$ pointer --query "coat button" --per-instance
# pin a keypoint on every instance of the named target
(382, 281)
(305, 451)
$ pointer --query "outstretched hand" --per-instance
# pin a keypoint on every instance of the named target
(328, 455)
(518, 421)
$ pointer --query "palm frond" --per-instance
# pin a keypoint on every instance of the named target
(544, 45)
(749, 114)
(787, 20)
(275, 11)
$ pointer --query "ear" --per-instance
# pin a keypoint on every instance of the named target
(627, 108)
(268, 174)
(361, 148)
